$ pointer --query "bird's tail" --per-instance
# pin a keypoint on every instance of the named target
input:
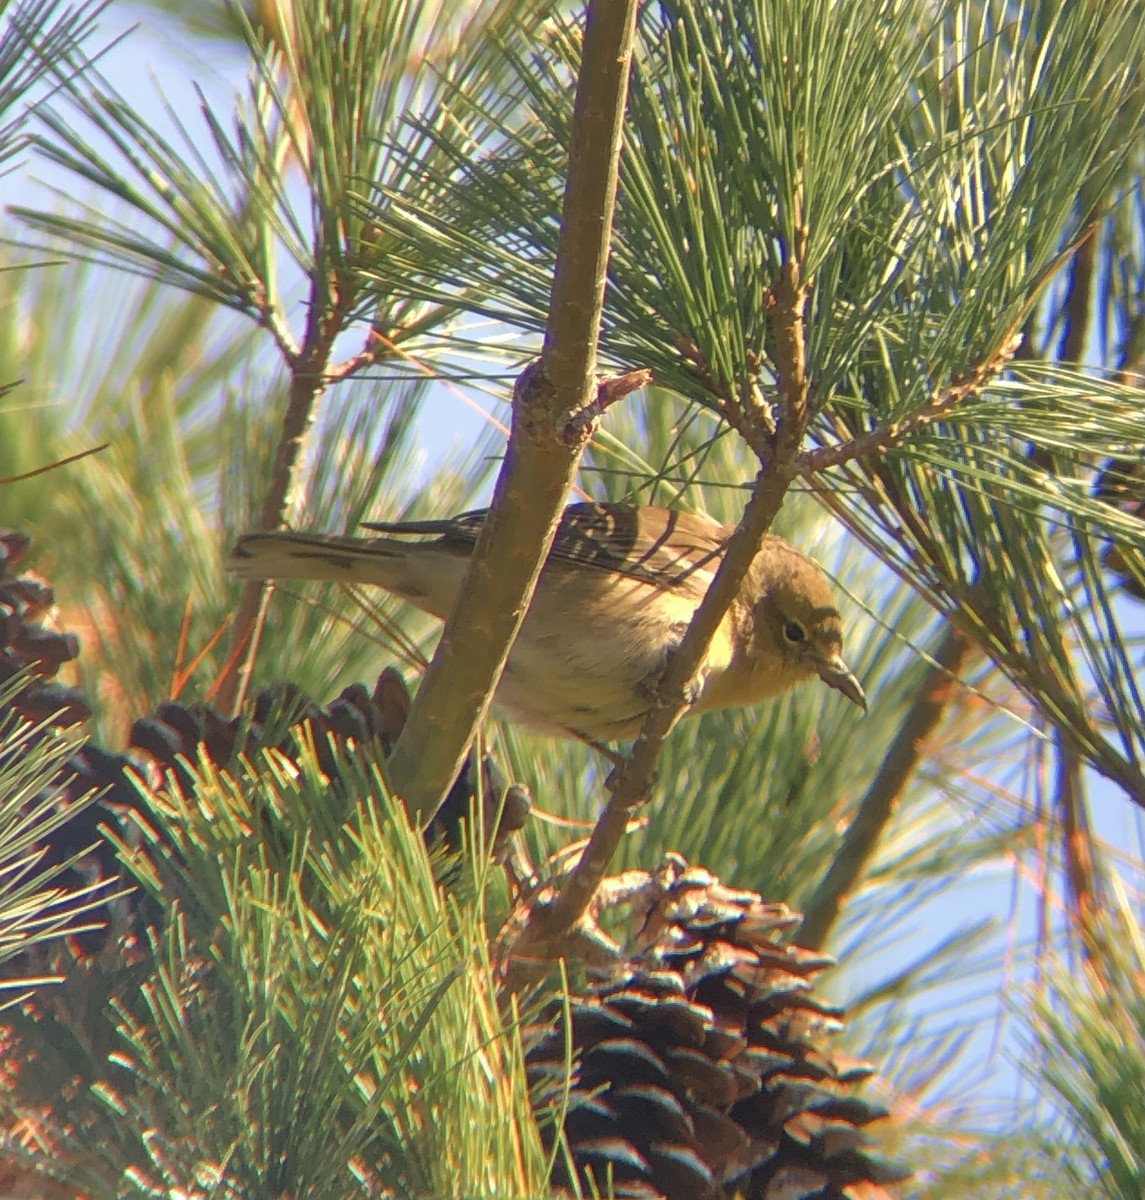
(286, 555)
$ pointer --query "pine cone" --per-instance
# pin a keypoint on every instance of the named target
(701, 1070)
(32, 647)
(178, 733)
(29, 643)
(166, 745)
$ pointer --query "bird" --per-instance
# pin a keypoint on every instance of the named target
(614, 598)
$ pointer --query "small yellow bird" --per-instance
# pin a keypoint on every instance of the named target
(615, 596)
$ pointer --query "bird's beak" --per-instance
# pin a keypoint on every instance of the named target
(835, 673)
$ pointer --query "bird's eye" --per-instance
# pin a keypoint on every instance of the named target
(794, 632)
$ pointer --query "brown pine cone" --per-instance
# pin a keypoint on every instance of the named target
(29, 643)
(166, 747)
(701, 1065)
(176, 734)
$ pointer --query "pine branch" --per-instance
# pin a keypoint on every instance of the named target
(936, 407)
(1083, 880)
(52, 466)
(1079, 293)
(307, 385)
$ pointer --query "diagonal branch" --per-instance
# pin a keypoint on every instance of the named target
(1078, 302)
(936, 406)
(327, 308)
(630, 783)
(1083, 880)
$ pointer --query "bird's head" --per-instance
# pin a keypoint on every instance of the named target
(796, 623)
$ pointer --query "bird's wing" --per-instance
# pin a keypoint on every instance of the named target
(462, 529)
(658, 546)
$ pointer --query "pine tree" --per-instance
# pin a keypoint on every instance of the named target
(884, 263)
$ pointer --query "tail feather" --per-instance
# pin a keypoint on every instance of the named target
(418, 571)
(285, 555)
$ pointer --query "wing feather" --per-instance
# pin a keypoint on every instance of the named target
(658, 546)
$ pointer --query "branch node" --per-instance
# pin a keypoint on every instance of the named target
(580, 427)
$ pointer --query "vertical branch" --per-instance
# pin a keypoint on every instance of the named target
(555, 412)
(878, 805)
(1077, 850)
(1078, 303)
(307, 384)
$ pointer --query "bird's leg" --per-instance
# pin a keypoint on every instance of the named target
(613, 756)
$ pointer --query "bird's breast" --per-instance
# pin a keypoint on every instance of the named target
(591, 651)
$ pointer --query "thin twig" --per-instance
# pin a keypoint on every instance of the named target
(1077, 849)
(1078, 302)
(62, 462)
(878, 441)
(936, 406)
(608, 392)
(1131, 357)
(375, 349)
(330, 300)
